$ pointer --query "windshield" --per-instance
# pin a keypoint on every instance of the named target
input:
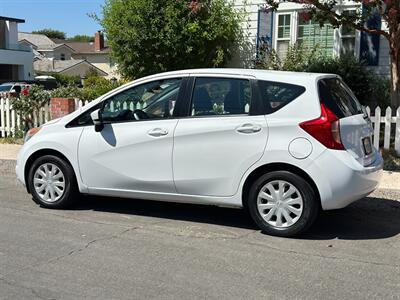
(5, 87)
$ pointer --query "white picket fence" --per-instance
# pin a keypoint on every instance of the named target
(10, 121)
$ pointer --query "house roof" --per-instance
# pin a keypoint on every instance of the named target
(12, 19)
(86, 48)
(44, 43)
(82, 47)
(63, 45)
(41, 41)
(58, 66)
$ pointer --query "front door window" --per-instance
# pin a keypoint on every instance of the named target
(153, 100)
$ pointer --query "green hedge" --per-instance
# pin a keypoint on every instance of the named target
(369, 88)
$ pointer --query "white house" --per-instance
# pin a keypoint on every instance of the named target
(16, 61)
(285, 27)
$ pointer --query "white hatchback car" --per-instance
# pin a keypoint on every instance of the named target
(282, 145)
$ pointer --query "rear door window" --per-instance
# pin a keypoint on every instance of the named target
(338, 97)
(221, 96)
(276, 95)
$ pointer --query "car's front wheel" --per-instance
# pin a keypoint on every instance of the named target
(282, 203)
(52, 182)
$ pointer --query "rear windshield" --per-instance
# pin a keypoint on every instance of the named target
(338, 97)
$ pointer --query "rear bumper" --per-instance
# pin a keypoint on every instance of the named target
(342, 180)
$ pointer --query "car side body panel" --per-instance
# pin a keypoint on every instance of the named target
(338, 176)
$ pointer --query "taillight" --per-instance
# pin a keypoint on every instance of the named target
(326, 129)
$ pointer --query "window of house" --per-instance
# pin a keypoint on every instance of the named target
(62, 56)
(311, 34)
(283, 37)
(347, 36)
(221, 96)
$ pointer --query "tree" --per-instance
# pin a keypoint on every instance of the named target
(388, 10)
(151, 36)
(82, 38)
(51, 33)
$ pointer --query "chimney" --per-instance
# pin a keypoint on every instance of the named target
(52, 63)
(99, 41)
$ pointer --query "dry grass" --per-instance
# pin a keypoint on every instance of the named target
(11, 140)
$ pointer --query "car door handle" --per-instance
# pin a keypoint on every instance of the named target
(157, 132)
(248, 128)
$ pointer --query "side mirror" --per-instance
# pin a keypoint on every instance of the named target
(13, 91)
(97, 120)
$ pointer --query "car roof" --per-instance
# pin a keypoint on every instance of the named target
(257, 73)
(14, 83)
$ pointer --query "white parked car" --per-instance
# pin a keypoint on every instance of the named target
(13, 88)
(282, 145)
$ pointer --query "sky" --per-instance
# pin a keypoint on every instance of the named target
(69, 16)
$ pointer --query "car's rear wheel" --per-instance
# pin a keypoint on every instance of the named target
(52, 182)
(282, 203)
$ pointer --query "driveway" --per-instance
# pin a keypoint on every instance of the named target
(132, 249)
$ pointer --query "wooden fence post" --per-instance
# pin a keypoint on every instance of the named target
(8, 121)
(377, 126)
(388, 123)
(2, 121)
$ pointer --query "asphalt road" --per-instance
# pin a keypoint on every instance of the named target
(132, 249)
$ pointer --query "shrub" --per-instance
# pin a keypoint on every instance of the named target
(299, 59)
(28, 105)
(67, 80)
(66, 92)
(391, 160)
(63, 80)
(95, 86)
(380, 93)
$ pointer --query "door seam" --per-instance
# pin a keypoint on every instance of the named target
(172, 157)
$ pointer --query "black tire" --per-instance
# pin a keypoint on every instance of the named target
(70, 191)
(310, 204)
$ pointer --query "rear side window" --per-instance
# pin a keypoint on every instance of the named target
(338, 97)
(276, 95)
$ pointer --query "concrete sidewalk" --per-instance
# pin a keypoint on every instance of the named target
(9, 151)
(8, 155)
